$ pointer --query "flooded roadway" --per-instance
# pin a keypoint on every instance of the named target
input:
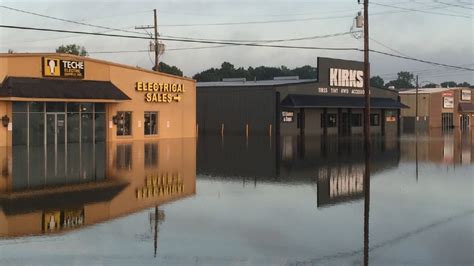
(255, 201)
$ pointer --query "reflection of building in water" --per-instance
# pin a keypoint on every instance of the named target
(336, 164)
(138, 175)
(450, 148)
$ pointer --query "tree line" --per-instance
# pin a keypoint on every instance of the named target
(404, 79)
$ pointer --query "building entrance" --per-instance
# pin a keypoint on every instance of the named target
(464, 122)
(447, 121)
(57, 143)
(344, 124)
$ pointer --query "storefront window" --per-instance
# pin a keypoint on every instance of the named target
(55, 107)
(151, 122)
(40, 134)
(124, 123)
(356, 120)
(332, 120)
(151, 155)
(374, 119)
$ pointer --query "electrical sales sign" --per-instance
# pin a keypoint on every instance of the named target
(61, 68)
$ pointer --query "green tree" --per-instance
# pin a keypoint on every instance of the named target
(305, 72)
(72, 49)
(376, 81)
(173, 70)
(228, 70)
(448, 84)
(464, 84)
(404, 80)
(430, 85)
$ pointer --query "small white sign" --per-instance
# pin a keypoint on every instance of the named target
(111, 124)
(448, 102)
(10, 126)
(465, 95)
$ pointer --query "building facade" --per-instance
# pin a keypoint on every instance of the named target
(437, 108)
(331, 104)
(60, 112)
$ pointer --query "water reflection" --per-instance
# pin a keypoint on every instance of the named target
(136, 179)
(335, 168)
(333, 165)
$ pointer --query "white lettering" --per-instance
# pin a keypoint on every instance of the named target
(360, 79)
(333, 77)
(352, 78)
(346, 78)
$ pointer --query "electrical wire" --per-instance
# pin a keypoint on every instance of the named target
(420, 10)
(237, 44)
(68, 20)
(454, 5)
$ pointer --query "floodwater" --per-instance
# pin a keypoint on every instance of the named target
(255, 201)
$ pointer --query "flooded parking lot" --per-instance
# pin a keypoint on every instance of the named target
(247, 201)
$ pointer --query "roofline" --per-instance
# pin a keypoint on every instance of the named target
(427, 90)
(86, 58)
(255, 84)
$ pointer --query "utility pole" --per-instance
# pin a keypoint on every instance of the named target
(157, 48)
(157, 64)
(366, 132)
(416, 105)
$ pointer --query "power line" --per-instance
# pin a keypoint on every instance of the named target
(421, 61)
(267, 41)
(420, 10)
(67, 20)
(391, 49)
(454, 5)
(236, 44)
(180, 40)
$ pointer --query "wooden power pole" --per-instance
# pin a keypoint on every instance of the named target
(155, 37)
(366, 132)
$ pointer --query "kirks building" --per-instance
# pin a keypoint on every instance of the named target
(331, 104)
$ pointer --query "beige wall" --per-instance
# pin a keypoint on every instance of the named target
(176, 119)
(410, 100)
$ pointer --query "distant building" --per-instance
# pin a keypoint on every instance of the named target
(331, 104)
(438, 108)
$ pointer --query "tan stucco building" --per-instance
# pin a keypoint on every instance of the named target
(67, 120)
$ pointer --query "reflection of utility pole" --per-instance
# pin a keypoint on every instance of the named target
(416, 156)
(155, 238)
(157, 47)
(156, 218)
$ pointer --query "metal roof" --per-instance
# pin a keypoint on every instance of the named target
(253, 83)
(429, 90)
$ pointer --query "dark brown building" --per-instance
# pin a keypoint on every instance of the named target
(331, 104)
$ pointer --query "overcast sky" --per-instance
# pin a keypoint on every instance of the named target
(440, 31)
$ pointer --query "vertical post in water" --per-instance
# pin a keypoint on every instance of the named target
(366, 132)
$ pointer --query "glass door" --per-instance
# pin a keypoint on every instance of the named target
(55, 143)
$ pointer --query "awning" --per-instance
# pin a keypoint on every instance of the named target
(23, 87)
(316, 101)
(466, 107)
(60, 197)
